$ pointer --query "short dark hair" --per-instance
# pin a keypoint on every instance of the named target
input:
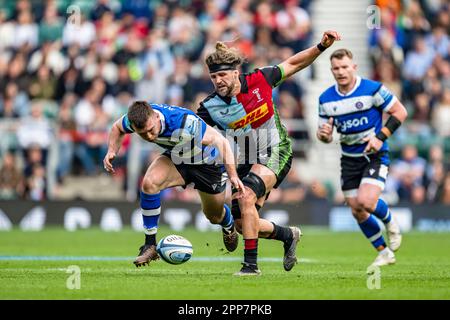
(341, 53)
(138, 113)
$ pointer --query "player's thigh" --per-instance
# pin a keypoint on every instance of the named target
(373, 180)
(352, 170)
(162, 173)
(212, 204)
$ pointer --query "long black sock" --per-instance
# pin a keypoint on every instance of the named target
(150, 239)
(251, 251)
(281, 233)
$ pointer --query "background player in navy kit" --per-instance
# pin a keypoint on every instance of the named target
(242, 105)
(355, 107)
(191, 150)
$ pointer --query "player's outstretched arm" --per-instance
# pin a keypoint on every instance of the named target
(116, 136)
(304, 58)
(213, 137)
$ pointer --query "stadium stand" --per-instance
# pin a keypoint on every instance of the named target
(70, 68)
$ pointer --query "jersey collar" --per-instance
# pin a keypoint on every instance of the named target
(163, 121)
(357, 83)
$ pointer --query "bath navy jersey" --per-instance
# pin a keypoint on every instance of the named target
(181, 133)
(357, 114)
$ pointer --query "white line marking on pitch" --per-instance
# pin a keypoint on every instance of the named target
(99, 258)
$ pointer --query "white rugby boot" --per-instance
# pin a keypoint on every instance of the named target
(394, 234)
(384, 258)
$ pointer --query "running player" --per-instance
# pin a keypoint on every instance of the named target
(192, 148)
(242, 106)
(355, 107)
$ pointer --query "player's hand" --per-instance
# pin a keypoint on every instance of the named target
(373, 144)
(107, 162)
(237, 184)
(325, 131)
(329, 37)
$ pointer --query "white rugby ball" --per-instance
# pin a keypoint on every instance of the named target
(174, 249)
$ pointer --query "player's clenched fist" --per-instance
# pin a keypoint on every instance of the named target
(325, 131)
(329, 37)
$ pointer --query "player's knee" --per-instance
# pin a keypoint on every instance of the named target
(248, 200)
(254, 185)
(213, 217)
(150, 187)
(367, 203)
(360, 215)
(357, 210)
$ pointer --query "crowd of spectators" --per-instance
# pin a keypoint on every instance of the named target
(410, 54)
(68, 69)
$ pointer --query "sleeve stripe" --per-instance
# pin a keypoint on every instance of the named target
(125, 125)
(390, 104)
(282, 75)
(202, 129)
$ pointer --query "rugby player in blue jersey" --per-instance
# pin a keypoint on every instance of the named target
(355, 106)
(194, 153)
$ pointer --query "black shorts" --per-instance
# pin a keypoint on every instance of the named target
(208, 178)
(371, 169)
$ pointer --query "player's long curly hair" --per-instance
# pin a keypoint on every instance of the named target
(224, 55)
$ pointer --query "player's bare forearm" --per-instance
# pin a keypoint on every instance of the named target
(398, 115)
(230, 167)
(115, 139)
(306, 57)
(213, 137)
(228, 159)
(300, 61)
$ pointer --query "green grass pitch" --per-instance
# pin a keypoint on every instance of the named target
(332, 266)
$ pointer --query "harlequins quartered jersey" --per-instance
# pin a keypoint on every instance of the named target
(181, 133)
(357, 114)
(251, 114)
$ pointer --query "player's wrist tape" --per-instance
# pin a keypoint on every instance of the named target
(389, 128)
(321, 47)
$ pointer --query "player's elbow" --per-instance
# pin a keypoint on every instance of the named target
(404, 114)
(401, 113)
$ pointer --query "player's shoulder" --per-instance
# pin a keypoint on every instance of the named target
(171, 110)
(369, 86)
(328, 95)
(257, 74)
(174, 116)
(209, 98)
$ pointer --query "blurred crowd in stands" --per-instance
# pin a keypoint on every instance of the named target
(410, 54)
(69, 69)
